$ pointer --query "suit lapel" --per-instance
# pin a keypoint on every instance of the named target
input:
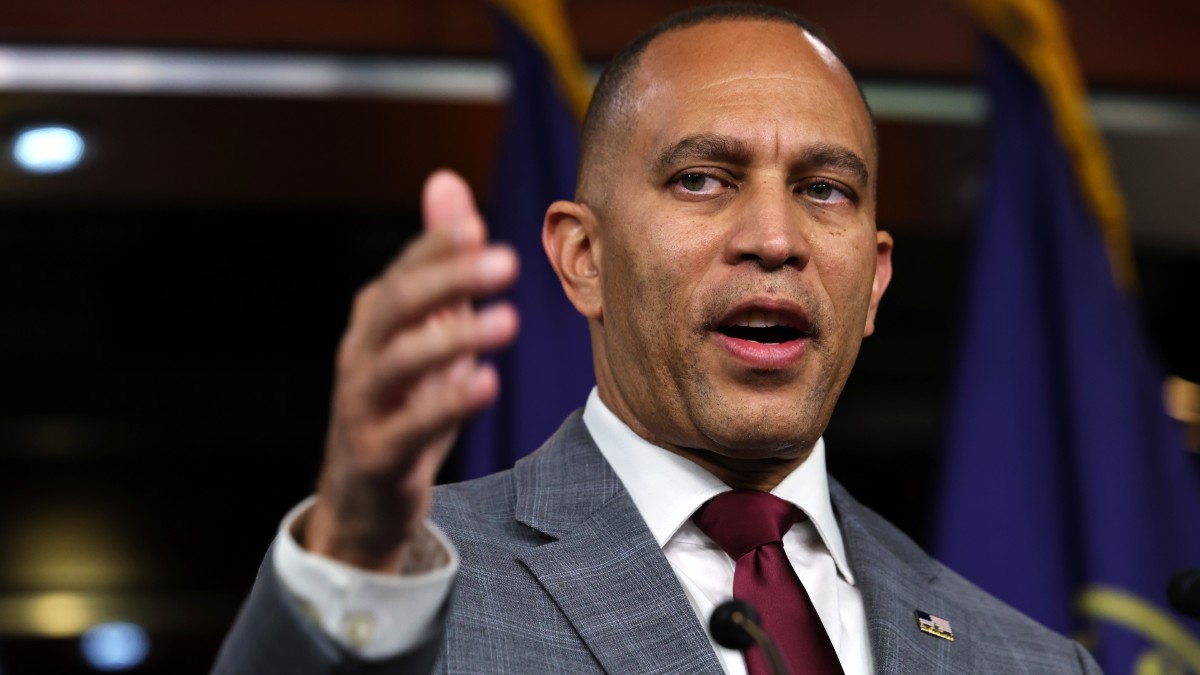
(897, 579)
(604, 570)
(607, 574)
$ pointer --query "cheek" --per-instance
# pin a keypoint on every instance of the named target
(645, 294)
(847, 267)
(651, 301)
(632, 289)
(640, 329)
(659, 261)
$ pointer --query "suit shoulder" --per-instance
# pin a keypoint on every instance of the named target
(1003, 638)
(478, 516)
(490, 498)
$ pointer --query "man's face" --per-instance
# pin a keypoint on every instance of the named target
(739, 263)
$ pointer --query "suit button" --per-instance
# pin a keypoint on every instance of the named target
(358, 628)
(309, 610)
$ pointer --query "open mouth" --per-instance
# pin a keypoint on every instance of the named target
(761, 326)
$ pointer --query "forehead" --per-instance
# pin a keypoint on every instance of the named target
(748, 78)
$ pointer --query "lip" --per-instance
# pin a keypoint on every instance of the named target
(761, 355)
(764, 356)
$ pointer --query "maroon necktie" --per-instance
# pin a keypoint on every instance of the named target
(749, 526)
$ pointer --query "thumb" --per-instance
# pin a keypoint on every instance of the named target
(447, 203)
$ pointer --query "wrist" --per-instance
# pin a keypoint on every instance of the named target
(318, 532)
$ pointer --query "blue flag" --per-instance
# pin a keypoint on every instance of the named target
(1067, 490)
(547, 373)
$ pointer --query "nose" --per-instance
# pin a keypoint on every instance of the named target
(768, 228)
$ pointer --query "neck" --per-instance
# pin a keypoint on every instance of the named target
(761, 474)
(740, 468)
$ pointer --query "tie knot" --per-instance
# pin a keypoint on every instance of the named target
(741, 521)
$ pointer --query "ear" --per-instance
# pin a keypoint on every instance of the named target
(570, 237)
(883, 275)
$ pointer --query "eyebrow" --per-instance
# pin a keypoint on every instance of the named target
(704, 147)
(839, 158)
(715, 148)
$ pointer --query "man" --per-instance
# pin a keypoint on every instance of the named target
(723, 248)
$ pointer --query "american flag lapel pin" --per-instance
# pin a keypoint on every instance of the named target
(934, 625)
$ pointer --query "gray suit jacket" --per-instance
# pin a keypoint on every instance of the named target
(561, 575)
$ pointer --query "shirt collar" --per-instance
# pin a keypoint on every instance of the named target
(668, 488)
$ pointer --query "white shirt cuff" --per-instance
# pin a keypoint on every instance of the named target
(375, 616)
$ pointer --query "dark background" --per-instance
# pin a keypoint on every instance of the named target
(170, 310)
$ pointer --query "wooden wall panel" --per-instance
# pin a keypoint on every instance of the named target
(1148, 44)
(256, 152)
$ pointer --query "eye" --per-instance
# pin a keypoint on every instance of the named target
(826, 192)
(698, 183)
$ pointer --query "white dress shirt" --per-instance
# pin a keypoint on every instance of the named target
(379, 615)
(667, 489)
(375, 616)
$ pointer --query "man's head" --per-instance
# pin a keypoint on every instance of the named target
(610, 114)
(723, 245)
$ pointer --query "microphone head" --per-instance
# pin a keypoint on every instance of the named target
(1183, 592)
(727, 624)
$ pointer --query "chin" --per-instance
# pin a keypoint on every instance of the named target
(763, 438)
(771, 416)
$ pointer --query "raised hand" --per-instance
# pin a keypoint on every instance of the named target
(408, 374)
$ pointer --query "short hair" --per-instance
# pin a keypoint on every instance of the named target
(610, 106)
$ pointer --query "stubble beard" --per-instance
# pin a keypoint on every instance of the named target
(740, 428)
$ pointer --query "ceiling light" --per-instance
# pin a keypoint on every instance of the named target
(48, 149)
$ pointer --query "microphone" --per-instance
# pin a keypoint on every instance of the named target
(735, 625)
(1183, 592)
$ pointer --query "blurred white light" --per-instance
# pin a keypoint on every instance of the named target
(48, 149)
(114, 646)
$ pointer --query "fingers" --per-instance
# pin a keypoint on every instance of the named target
(439, 403)
(409, 375)
(413, 289)
(438, 341)
(447, 264)
(448, 205)
(418, 315)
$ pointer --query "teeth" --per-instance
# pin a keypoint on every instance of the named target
(758, 319)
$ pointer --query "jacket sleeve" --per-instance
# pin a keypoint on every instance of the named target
(271, 636)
